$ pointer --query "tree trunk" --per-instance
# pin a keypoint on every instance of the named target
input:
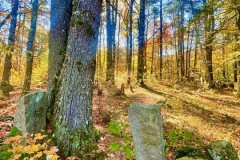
(72, 118)
(209, 36)
(30, 48)
(6, 87)
(141, 30)
(130, 42)
(109, 30)
(61, 11)
(153, 44)
(161, 40)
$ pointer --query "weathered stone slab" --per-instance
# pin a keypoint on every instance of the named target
(31, 112)
(146, 124)
(236, 86)
(222, 150)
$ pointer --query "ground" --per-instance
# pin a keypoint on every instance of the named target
(202, 115)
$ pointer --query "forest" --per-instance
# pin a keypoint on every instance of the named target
(120, 79)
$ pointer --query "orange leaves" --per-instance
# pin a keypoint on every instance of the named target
(33, 146)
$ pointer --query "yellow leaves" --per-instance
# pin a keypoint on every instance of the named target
(38, 155)
(17, 156)
(39, 136)
(52, 151)
(53, 157)
(13, 140)
(33, 146)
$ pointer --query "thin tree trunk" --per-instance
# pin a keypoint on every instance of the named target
(153, 44)
(6, 86)
(110, 68)
(161, 41)
(130, 42)
(141, 43)
(209, 28)
(30, 48)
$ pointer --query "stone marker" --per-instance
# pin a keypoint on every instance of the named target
(31, 112)
(146, 124)
(222, 150)
(236, 86)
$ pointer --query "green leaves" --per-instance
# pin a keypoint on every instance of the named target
(118, 128)
(128, 150)
(114, 146)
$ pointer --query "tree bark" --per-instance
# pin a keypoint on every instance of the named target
(30, 48)
(6, 86)
(130, 41)
(209, 36)
(110, 50)
(161, 41)
(141, 30)
(60, 15)
(72, 118)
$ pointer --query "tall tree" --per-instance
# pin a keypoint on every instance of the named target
(6, 87)
(141, 42)
(129, 61)
(60, 15)
(161, 40)
(72, 116)
(30, 48)
(209, 37)
(111, 21)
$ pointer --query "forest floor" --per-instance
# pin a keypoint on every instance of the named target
(192, 115)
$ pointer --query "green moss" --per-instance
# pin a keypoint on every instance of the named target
(63, 51)
(81, 143)
(79, 63)
(14, 132)
(79, 20)
(74, 5)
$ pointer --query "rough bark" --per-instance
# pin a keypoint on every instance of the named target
(161, 40)
(6, 87)
(72, 115)
(141, 30)
(60, 14)
(130, 41)
(30, 48)
(209, 37)
(109, 28)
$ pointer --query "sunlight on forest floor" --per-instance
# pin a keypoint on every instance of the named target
(210, 115)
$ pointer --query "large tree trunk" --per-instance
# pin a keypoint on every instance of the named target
(30, 49)
(6, 87)
(60, 15)
(72, 116)
(141, 30)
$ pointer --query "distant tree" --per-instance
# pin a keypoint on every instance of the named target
(30, 48)
(141, 42)
(130, 54)
(209, 37)
(111, 22)
(5, 85)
